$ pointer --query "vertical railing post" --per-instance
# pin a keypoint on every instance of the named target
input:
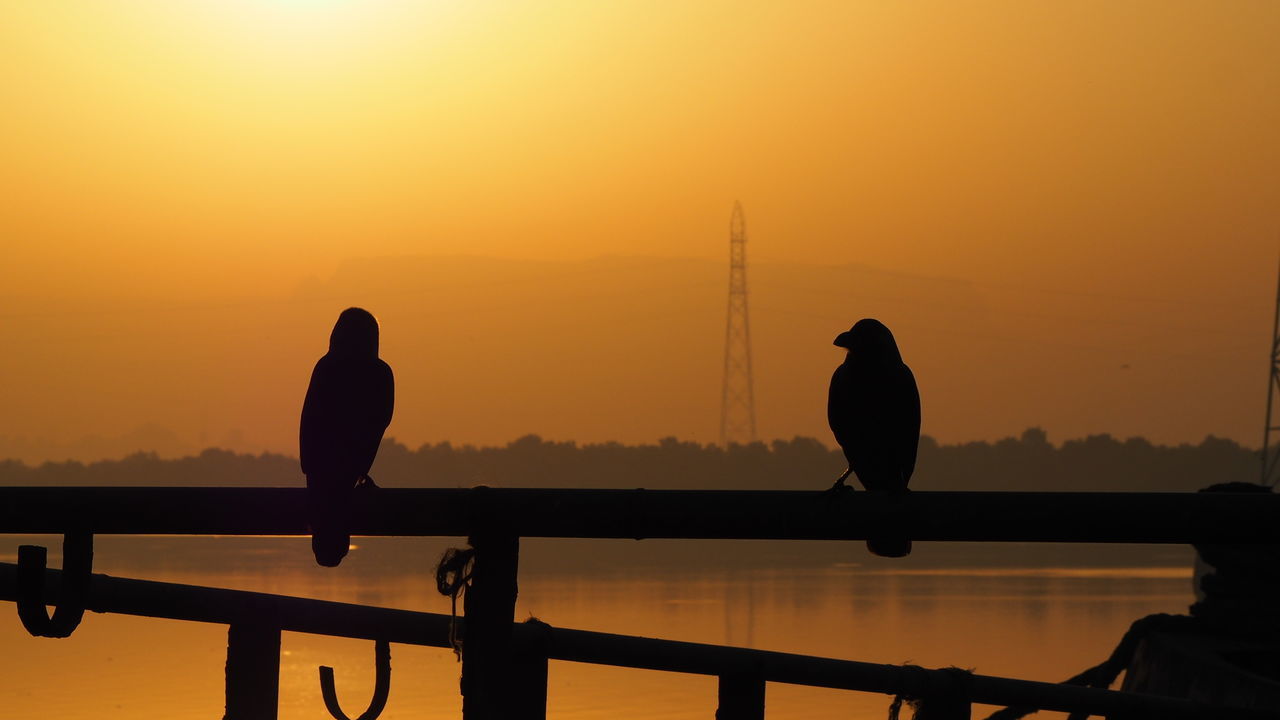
(253, 672)
(741, 697)
(949, 709)
(528, 696)
(947, 696)
(489, 609)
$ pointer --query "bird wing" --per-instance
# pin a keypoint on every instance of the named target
(874, 414)
(907, 434)
(346, 411)
(315, 436)
(854, 409)
(841, 407)
(379, 405)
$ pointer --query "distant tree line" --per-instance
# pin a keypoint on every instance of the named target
(1028, 462)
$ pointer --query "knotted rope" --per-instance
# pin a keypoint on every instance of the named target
(453, 577)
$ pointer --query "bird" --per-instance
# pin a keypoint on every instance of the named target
(873, 408)
(348, 406)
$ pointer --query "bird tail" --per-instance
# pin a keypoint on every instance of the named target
(327, 515)
(894, 547)
(329, 547)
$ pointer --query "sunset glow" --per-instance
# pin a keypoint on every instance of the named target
(1094, 184)
(329, 324)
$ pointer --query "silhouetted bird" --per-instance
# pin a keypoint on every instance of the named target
(874, 412)
(348, 407)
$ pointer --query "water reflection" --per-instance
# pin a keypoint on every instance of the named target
(998, 616)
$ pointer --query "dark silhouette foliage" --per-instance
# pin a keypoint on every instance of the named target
(1028, 462)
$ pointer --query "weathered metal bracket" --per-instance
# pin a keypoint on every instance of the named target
(73, 591)
(381, 685)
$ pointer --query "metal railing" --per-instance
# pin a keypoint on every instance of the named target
(504, 664)
(255, 621)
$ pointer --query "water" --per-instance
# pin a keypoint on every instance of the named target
(1040, 613)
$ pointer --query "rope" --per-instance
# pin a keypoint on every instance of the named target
(896, 706)
(453, 577)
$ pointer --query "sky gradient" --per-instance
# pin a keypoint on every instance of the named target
(193, 191)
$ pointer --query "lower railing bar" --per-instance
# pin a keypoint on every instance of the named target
(215, 605)
(196, 603)
(910, 681)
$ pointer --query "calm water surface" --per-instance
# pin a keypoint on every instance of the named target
(1030, 614)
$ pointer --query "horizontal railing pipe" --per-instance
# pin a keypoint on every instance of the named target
(691, 514)
(196, 603)
(215, 605)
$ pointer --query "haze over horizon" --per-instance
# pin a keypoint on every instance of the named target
(619, 349)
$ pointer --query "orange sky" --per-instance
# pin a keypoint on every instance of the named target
(178, 179)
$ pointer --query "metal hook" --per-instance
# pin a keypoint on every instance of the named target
(381, 685)
(73, 590)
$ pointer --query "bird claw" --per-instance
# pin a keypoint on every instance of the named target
(366, 483)
(838, 489)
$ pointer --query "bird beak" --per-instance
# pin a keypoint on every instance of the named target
(842, 340)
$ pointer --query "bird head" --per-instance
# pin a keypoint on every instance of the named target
(355, 334)
(869, 339)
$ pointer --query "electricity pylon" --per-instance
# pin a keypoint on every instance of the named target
(737, 398)
(1271, 459)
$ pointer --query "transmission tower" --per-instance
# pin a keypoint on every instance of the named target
(737, 398)
(1270, 458)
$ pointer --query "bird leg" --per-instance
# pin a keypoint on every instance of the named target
(839, 485)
